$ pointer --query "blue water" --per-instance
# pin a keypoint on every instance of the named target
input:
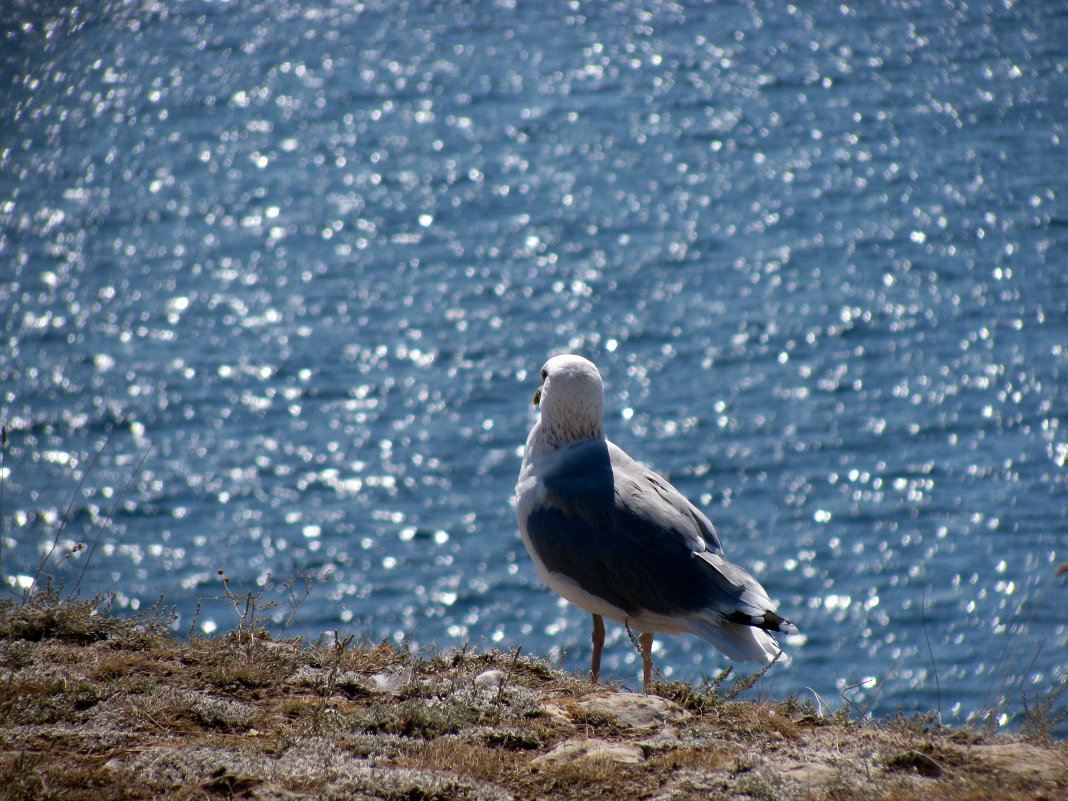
(277, 278)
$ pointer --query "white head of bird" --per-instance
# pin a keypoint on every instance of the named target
(571, 398)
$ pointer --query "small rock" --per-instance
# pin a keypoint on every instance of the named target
(575, 750)
(810, 774)
(914, 760)
(630, 710)
(490, 678)
(391, 682)
(664, 740)
(555, 713)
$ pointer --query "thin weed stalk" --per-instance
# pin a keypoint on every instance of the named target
(3, 474)
(865, 712)
(66, 515)
(504, 680)
(294, 603)
(994, 701)
(1040, 719)
(862, 712)
(107, 520)
(930, 651)
(820, 703)
(195, 621)
(745, 682)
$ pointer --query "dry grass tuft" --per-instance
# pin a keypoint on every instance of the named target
(45, 615)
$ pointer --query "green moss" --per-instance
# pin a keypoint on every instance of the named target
(425, 718)
(513, 739)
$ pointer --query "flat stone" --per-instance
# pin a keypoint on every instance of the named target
(1022, 759)
(556, 713)
(809, 774)
(628, 710)
(575, 750)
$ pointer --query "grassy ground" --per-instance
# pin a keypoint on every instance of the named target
(94, 706)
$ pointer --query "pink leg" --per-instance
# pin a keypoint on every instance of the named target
(645, 640)
(598, 646)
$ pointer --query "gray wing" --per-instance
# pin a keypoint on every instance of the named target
(626, 535)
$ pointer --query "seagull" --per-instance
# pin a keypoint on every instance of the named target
(619, 541)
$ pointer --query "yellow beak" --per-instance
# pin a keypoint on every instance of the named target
(537, 396)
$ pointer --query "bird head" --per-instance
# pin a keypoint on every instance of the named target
(571, 399)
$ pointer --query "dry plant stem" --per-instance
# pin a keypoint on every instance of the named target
(505, 679)
(862, 713)
(744, 683)
(107, 521)
(3, 472)
(882, 683)
(70, 506)
(992, 703)
(294, 602)
(930, 651)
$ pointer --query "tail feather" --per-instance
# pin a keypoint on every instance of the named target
(741, 642)
(741, 616)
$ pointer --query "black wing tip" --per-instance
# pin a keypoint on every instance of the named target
(778, 623)
(769, 621)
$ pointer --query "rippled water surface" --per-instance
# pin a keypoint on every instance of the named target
(276, 280)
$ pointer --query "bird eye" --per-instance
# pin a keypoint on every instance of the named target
(544, 373)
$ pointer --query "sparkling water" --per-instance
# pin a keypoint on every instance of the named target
(277, 279)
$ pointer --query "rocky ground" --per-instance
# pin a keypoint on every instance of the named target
(99, 707)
